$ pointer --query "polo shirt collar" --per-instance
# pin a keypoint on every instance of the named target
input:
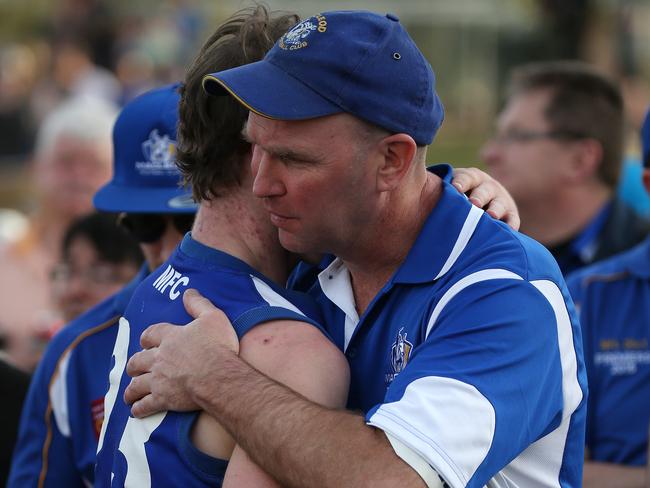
(443, 237)
(585, 244)
(637, 261)
(445, 233)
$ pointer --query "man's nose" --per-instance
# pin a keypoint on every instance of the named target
(268, 176)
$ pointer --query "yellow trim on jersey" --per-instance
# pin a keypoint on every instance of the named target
(48, 411)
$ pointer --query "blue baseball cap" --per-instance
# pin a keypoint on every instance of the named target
(645, 140)
(145, 176)
(357, 62)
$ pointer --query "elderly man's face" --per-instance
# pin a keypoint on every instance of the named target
(316, 179)
(71, 172)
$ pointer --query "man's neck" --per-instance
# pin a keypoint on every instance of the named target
(230, 224)
(389, 239)
(557, 220)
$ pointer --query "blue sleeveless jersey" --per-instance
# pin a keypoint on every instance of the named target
(157, 451)
(470, 355)
(64, 409)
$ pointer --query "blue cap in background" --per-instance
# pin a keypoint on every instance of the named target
(145, 176)
(357, 62)
(645, 140)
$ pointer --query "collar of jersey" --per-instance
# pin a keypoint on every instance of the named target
(634, 262)
(432, 247)
(585, 244)
(439, 235)
(194, 249)
(637, 260)
(441, 241)
(444, 235)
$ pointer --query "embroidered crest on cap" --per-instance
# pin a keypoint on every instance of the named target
(159, 152)
(295, 38)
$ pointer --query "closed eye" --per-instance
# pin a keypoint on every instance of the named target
(292, 158)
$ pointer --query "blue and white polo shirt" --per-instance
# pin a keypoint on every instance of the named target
(470, 357)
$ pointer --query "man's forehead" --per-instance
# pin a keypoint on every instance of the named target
(524, 107)
(326, 125)
(254, 124)
(271, 137)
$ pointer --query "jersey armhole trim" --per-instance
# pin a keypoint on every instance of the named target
(210, 468)
(249, 319)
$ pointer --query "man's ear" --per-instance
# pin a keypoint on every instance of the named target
(587, 158)
(646, 179)
(397, 156)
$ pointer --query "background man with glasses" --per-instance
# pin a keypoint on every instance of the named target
(64, 410)
(558, 151)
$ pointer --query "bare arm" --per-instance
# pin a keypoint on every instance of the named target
(297, 441)
(605, 475)
(300, 357)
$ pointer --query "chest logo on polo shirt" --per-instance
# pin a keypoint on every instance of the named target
(400, 353)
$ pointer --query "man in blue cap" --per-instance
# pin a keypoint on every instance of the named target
(463, 346)
(64, 410)
(614, 302)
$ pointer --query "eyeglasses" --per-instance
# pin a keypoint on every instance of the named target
(523, 136)
(99, 274)
(149, 228)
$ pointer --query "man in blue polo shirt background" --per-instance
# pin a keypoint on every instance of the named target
(464, 349)
(558, 148)
(64, 410)
(614, 302)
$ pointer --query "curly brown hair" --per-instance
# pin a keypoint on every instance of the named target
(211, 151)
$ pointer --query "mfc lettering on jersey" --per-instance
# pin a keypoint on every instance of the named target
(173, 280)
